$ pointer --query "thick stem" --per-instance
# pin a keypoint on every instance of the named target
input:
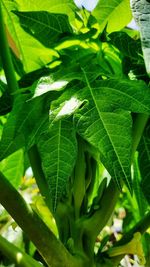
(17, 256)
(6, 57)
(96, 223)
(51, 249)
(99, 219)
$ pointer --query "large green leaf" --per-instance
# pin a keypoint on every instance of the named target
(144, 161)
(105, 121)
(115, 13)
(13, 167)
(58, 151)
(44, 26)
(133, 63)
(110, 132)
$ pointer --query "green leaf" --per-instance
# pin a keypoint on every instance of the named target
(144, 161)
(9, 142)
(105, 121)
(24, 124)
(27, 45)
(128, 46)
(13, 167)
(115, 13)
(65, 77)
(29, 78)
(110, 132)
(58, 80)
(54, 6)
(44, 26)
(58, 150)
(66, 105)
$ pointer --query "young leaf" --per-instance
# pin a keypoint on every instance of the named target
(58, 150)
(44, 26)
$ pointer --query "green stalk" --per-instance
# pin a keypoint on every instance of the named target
(51, 249)
(138, 128)
(6, 57)
(79, 178)
(35, 162)
(96, 223)
(17, 256)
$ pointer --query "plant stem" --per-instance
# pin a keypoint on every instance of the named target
(138, 129)
(51, 249)
(6, 57)
(35, 162)
(99, 219)
(96, 223)
(79, 178)
(17, 256)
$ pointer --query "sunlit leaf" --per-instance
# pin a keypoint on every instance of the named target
(53, 6)
(115, 13)
(26, 44)
(44, 26)
(13, 167)
(58, 80)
